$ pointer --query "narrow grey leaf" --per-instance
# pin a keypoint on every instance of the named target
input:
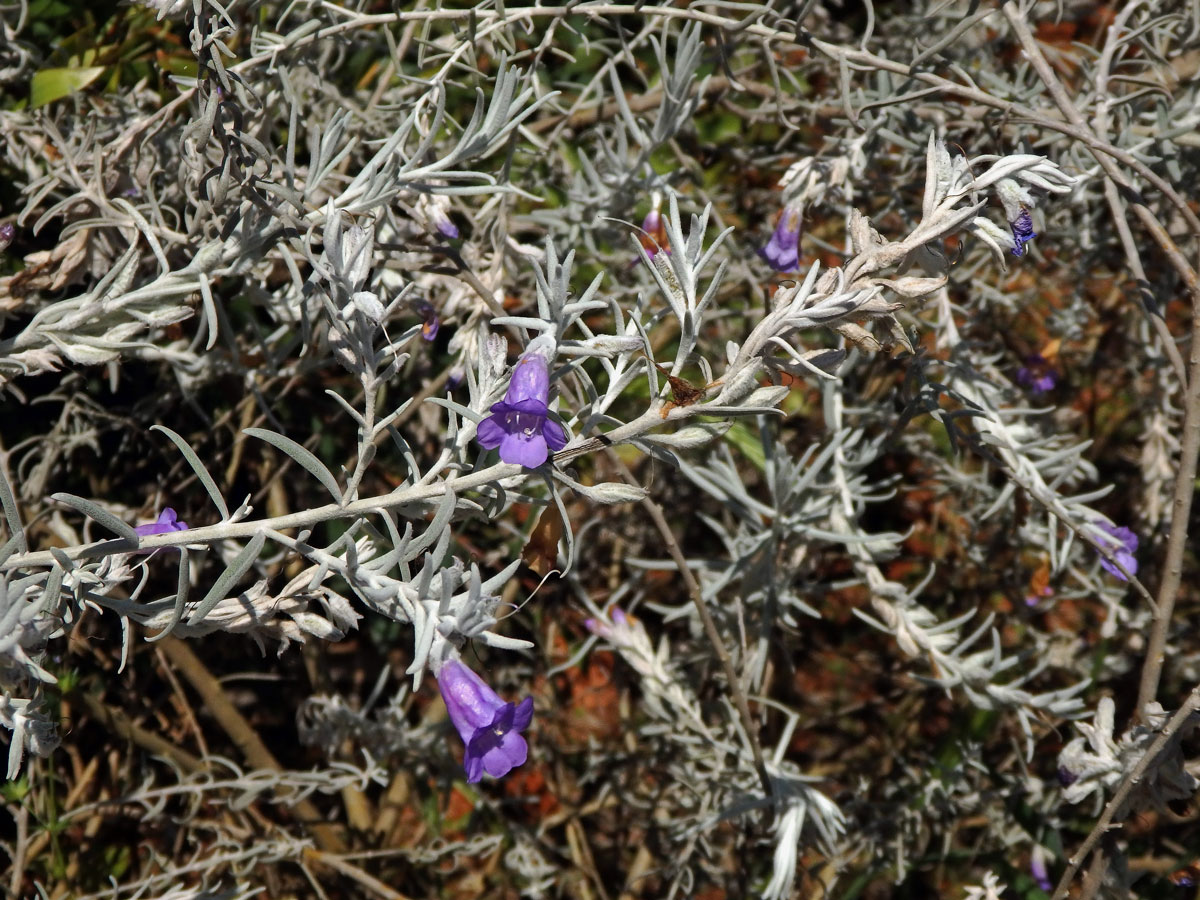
(463, 411)
(302, 456)
(11, 546)
(198, 467)
(182, 586)
(9, 504)
(52, 589)
(228, 578)
(98, 514)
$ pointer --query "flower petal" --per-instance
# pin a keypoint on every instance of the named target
(782, 250)
(530, 380)
(510, 752)
(167, 522)
(527, 450)
(1126, 544)
(503, 720)
(1023, 233)
(473, 763)
(490, 432)
(530, 406)
(555, 436)
(523, 714)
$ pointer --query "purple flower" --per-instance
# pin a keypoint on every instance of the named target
(1037, 374)
(167, 522)
(519, 424)
(1035, 599)
(654, 233)
(1023, 233)
(600, 628)
(1037, 868)
(432, 323)
(489, 727)
(7, 232)
(782, 251)
(446, 228)
(1128, 544)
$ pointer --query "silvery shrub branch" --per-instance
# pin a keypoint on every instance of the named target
(446, 605)
(390, 556)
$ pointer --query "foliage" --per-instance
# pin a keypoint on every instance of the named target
(865, 577)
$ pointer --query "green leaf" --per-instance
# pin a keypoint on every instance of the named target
(49, 85)
(748, 443)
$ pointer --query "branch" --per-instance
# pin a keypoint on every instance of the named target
(710, 627)
(1131, 780)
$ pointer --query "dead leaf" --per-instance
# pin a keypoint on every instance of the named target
(51, 270)
(541, 551)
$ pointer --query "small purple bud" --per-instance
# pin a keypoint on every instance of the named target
(1066, 777)
(446, 228)
(432, 323)
(8, 232)
(1126, 544)
(653, 236)
(1023, 233)
(1034, 599)
(1037, 868)
(1188, 876)
(617, 629)
(782, 251)
(597, 627)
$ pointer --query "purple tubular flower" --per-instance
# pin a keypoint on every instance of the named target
(1023, 233)
(1037, 375)
(490, 728)
(446, 228)
(654, 234)
(782, 251)
(1128, 542)
(519, 424)
(652, 222)
(432, 323)
(167, 522)
(1037, 868)
(603, 629)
